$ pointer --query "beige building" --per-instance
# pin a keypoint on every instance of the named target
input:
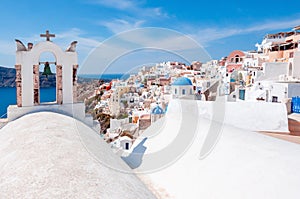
(114, 101)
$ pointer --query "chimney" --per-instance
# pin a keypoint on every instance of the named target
(29, 46)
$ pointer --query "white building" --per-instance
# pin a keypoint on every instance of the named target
(125, 142)
(269, 40)
(283, 90)
(115, 98)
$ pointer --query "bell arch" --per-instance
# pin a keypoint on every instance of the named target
(27, 70)
(44, 70)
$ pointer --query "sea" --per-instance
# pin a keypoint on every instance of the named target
(8, 94)
(8, 97)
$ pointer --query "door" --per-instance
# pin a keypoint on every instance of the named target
(127, 146)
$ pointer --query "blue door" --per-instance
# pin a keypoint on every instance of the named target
(242, 94)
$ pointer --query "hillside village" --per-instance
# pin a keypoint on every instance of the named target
(268, 74)
(202, 123)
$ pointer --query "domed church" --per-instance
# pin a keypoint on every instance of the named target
(182, 88)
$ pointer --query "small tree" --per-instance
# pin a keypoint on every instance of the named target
(122, 116)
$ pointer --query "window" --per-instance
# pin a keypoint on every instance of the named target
(237, 58)
(183, 91)
(191, 92)
(126, 145)
(175, 91)
(274, 99)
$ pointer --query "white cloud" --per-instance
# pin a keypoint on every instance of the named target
(7, 47)
(207, 35)
(131, 14)
(117, 4)
(274, 25)
(63, 39)
(151, 37)
(158, 41)
(136, 8)
(121, 25)
(7, 53)
(85, 44)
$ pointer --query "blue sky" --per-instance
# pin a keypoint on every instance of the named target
(219, 26)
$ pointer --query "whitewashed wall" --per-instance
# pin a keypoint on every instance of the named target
(254, 116)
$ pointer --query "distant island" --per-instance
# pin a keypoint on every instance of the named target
(8, 76)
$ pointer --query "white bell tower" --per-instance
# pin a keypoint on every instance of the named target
(27, 80)
(27, 71)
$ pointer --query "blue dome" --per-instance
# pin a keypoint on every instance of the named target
(182, 81)
(157, 110)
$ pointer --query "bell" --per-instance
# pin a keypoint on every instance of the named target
(47, 70)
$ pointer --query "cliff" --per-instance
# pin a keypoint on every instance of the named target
(8, 76)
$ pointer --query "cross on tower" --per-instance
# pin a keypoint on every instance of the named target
(47, 35)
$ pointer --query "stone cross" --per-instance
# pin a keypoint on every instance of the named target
(47, 35)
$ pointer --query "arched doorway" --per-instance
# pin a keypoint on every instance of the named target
(47, 81)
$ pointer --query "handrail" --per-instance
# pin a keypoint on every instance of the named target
(2, 116)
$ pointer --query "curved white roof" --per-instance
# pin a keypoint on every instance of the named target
(243, 164)
(48, 155)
